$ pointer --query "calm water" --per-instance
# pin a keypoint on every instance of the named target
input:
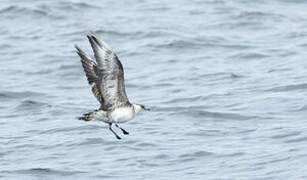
(226, 81)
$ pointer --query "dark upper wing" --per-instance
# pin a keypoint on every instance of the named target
(110, 73)
(88, 65)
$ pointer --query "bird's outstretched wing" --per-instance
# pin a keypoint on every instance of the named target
(88, 66)
(106, 75)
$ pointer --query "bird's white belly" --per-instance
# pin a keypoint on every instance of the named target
(118, 115)
(122, 114)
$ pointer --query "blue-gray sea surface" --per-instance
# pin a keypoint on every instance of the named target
(226, 81)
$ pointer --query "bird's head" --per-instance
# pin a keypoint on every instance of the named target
(139, 107)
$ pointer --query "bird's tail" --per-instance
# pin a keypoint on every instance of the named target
(87, 116)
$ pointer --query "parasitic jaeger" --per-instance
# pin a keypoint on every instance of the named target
(106, 76)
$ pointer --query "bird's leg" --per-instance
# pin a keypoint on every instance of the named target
(124, 131)
(110, 124)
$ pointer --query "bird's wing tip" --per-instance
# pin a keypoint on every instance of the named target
(78, 48)
(93, 35)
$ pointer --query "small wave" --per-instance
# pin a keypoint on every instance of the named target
(46, 171)
(276, 160)
(293, 87)
(83, 5)
(118, 33)
(4, 47)
(257, 15)
(221, 76)
(40, 71)
(69, 66)
(146, 144)
(158, 9)
(74, 6)
(69, 129)
(249, 56)
(19, 95)
(196, 112)
(286, 135)
(277, 70)
(31, 105)
(220, 115)
(161, 156)
(157, 34)
(297, 140)
(198, 44)
(293, 1)
(186, 157)
(233, 154)
(303, 108)
(14, 11)
(186, 100)
(90, 142)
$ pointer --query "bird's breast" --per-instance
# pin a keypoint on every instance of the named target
(122, 114)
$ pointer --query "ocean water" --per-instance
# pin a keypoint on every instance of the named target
(226, 81)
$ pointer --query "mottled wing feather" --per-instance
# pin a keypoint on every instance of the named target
(110, 73)
(121, 80)
(97, 94)
(88, 66)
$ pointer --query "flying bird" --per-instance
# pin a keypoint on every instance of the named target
(105, 74)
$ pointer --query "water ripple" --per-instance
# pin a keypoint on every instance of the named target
(46, 171)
